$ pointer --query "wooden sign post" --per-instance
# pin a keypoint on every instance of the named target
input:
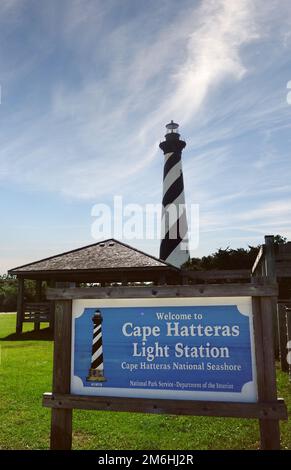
(231, 324)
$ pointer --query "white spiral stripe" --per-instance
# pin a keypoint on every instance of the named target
(179, 206)
(170, 220)
(97, 338)
(178, 256)
(97, 354)
(172, 176)
(168, 155)
(183, 228)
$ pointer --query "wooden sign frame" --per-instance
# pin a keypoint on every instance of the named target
(268, 410)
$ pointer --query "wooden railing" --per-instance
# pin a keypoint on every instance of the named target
(218, 275)
(37, 312)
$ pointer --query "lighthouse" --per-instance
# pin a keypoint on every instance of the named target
(174, 248)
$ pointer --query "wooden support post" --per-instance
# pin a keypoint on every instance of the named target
(270, 270)
(38, 290)
(265, 319)
(52, 315)
(52, 284)
(288, 323)
(282, 333)
(38, 286)
(20, 302)
(266, 372)
(61, 420)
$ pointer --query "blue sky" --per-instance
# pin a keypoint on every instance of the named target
(87, 87)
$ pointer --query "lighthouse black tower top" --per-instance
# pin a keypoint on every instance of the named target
(174, 240)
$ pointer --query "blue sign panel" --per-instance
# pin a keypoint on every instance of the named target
(182, 352)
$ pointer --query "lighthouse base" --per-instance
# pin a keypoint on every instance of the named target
(95, 375)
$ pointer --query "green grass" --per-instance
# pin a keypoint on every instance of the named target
(26, 371)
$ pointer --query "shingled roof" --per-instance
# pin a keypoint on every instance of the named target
(109, 254)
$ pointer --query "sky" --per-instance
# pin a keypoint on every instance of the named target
(87, 87)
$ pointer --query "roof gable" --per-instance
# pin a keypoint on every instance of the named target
(107, 254)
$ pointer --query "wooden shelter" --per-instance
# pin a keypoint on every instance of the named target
(102, 263)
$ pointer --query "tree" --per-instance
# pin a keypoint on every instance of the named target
(8, 293)
(228, 258)
(279, 240)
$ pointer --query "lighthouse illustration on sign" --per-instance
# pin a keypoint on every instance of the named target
(96, 371)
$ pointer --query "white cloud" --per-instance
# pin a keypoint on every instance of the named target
(280, 208)
(104, 128)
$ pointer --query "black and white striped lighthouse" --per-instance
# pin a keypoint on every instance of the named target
(96, 371)
(174, 246)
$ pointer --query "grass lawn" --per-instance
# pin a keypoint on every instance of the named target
(26, 371)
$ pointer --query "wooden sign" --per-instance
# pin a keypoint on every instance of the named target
(185, 349)
(196, 350)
